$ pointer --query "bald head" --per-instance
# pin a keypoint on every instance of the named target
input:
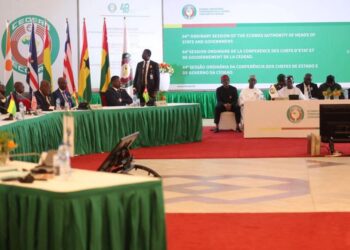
(45, 87)
(19, 87)
(308, 79)
(252, 81)
(62, 83)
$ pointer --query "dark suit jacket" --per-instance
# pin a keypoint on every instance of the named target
(42, 102)
(152, 77)
(313, 88)
(117, 98)
(58, 95)
(227, 95)
(3, 107)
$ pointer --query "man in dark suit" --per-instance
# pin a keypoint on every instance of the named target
(43, 96)
(115, 96)
(330, 87)
(227, 100)
(18, 96)
(62, 94)
(147, 77)
(3, 108)
(308, 88)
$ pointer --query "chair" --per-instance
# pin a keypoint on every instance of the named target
(227, 121)
(103, 99)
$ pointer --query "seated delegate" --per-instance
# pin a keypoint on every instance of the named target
(227, 100)
(116, 96)
(43, 96)
(290, 90)
(251, 93)
(308, 88)
(330, 89)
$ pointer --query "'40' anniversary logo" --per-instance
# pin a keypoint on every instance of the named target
(20, 38)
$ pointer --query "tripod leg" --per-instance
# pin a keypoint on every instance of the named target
(149, 171)
(331, 145)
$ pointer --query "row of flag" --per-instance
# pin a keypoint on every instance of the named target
(84, 79)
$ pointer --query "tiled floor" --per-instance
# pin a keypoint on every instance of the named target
(255, 185)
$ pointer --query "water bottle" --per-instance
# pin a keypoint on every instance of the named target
(58, 104)
(134, 100)
(22, 110)
(62, 161)
(66, 106)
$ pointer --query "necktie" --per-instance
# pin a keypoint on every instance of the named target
(308, 91)
(65, 97)
(144, 72)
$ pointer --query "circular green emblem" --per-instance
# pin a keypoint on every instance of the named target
(20, 37)
(295, 114)
(189, 11)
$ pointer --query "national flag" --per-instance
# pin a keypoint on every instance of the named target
(47, 71)
(8, 74)
(126, 70)
(145, 95)
(67, 66)
(67, 63)
(32, 64)
(84, 89)
(12, 106)
(105, 70)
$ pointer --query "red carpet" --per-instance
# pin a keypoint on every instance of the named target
(225, 144)
(277, 231)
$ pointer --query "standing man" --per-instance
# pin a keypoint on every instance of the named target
(115, 96)
(249, 94)
(329, 88)
(227, 100)
(62, 94)
(147, 78)
(308, 88)
(43, 96)
(288, 90)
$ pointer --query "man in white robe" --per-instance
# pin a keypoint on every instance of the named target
(288, 90)
(251, 93)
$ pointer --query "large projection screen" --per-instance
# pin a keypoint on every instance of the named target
(205, 39)
(144, 31)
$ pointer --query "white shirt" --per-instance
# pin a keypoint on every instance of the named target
(250, 95)
(286, 92)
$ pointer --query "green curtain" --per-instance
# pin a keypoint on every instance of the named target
(120, 217)
(206, 99)
(100, 130)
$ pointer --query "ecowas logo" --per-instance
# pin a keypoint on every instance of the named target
(20, 37)
(295, 114)
(189, 11)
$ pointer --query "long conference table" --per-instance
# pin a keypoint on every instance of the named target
(87, 210)
(100, 130)
(284, 118)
